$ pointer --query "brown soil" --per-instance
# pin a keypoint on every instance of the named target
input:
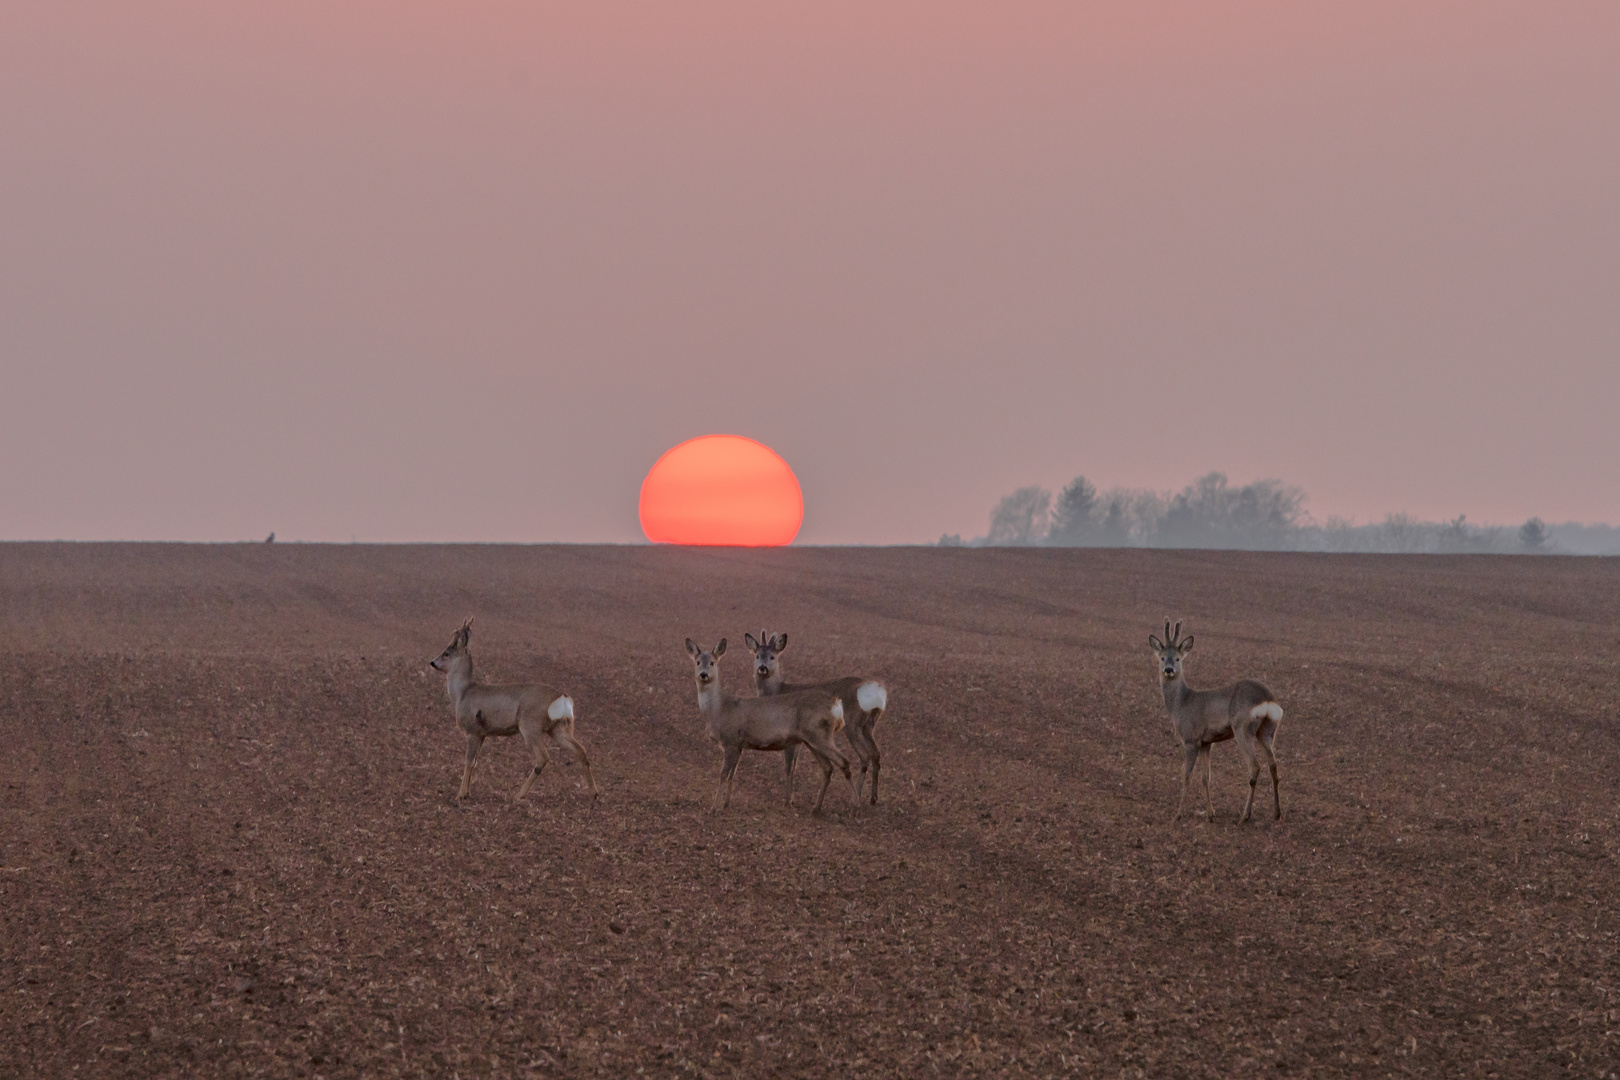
(229, 843)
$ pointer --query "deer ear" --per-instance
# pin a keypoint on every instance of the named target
(1154, 643)
(691, 648)
(720, 649)
(1186, 645)
(780, 642)
(753, 646)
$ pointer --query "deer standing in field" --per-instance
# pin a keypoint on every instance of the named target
(863, 699)
(534, 712)
(1245, 711)
(802, 717)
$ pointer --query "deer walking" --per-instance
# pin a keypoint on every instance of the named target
(804, 717)
(534, 712)
(863, 699)
(1245, 711)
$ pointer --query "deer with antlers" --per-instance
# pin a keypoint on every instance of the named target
(534, 712)
(798, 718)
(864, 701)
(1245, 712)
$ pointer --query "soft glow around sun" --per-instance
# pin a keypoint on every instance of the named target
(721, 489)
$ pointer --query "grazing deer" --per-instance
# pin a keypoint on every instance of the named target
(808, 717)
(1245, 711)
(535, 712)
(864, 701)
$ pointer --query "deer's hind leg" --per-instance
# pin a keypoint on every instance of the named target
(869, 733)
(861, 744)
(565, 738)
(1250, 747)
(474, 741)
(1268, 750)
(827, 755)
(534, 739)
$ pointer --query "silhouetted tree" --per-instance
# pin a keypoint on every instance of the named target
(1533, 535)
(1209, 513)
(1021, 519)
(1072, 525)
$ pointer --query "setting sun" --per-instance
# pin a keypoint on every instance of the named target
(721, 489)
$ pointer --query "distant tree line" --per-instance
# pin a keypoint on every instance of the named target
(1266, 515)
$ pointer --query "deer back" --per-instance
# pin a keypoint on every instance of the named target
(774, 722)
(1211, 715)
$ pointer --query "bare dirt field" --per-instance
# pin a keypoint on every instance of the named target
(229, 843)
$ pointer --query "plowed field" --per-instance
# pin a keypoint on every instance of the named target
(229, 843)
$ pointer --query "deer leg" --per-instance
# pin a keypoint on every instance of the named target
(1268, 749)
(1209, 764)
(872, 752)
(474, 741)
(829, 757)
(856, 734)
(536, 743)
(1246, 742)
(788, 755)
(1190, 753)
(819, 753)
(566, 740)
(733, 755)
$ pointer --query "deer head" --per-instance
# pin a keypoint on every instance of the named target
(766, 650)
(706, 662)
(455, 650)
(1171, 651)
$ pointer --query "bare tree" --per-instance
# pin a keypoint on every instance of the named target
(1402, 533)
(1022, 518)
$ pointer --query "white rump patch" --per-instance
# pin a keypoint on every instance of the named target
(1268, 710)
(562, 708)
(871, 695)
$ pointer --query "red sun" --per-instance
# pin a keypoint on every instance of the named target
(721, 489)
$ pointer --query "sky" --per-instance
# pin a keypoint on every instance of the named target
(414, 271)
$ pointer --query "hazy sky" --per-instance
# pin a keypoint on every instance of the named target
(429, 271)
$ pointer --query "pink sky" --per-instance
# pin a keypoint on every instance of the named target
(413, 271)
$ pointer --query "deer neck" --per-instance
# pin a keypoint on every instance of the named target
(1176, 692)
(458, 679)
(710, 701)
(770, 686)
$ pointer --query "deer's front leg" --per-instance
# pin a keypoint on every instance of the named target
(1189, 751)
(733, 755)
(787, 765)
(1209, 765)
(474, 741)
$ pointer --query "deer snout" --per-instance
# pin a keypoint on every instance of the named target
(763, 671)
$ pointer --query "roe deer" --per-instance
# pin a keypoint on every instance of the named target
(1245, 711)
(534, 712)
(864, 701)
(809, 717)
